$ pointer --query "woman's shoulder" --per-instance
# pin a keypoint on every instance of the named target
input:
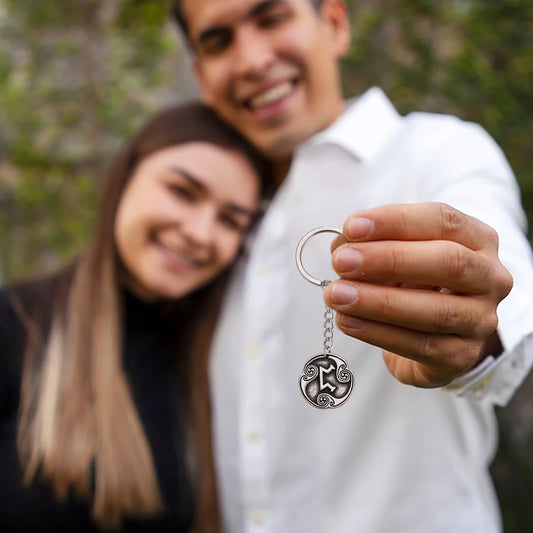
(11, 352)
(8, 316)
(28, 307)
(15, 302)
(24, 309)
(21, 307)
(28, 299)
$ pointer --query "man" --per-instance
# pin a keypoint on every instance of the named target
(419, 280)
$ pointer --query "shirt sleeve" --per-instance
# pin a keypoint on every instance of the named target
(474, 176)
(496, 378)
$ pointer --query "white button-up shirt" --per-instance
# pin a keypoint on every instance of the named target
(393, 458)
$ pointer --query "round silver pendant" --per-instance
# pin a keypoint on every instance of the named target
(327, 382)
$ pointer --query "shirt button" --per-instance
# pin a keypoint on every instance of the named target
(254, 352)
(258, 518)
(262, 270)
(253, 436)
(518, 363)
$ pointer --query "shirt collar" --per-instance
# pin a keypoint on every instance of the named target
(364, 128)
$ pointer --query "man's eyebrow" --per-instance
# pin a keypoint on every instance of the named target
(255, 11)
(260, 7)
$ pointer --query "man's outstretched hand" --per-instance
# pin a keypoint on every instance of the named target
(421, 281)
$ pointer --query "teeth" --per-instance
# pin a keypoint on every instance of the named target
(181, 255)
(271, 95)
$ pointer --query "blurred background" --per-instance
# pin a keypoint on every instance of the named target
(77, 76)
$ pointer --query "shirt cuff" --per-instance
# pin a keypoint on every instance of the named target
(496, 379)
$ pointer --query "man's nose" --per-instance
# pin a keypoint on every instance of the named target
(254, 53)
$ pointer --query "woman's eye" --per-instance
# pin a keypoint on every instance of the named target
(182, 192)
(232, 223)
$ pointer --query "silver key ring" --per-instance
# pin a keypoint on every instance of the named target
(299, 250)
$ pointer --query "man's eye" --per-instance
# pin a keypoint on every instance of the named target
(214, 45)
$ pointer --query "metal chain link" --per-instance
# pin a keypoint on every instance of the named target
(328, 330)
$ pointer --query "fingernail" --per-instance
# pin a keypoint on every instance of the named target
(343, 293)
(358, 227)
(346, 260)
(351, 322)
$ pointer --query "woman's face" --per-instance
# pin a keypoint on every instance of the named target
(182, 217)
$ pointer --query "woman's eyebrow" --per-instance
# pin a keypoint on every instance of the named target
(239, 209)
(191, 178)
(198, 184)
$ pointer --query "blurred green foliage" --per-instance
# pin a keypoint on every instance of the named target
(471, 58)
(474, 59)
(77, 76)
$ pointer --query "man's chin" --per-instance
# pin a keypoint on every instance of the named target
(280, 146)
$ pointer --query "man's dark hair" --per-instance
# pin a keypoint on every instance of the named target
(179, 16)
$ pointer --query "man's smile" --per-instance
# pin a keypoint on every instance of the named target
(271, 95)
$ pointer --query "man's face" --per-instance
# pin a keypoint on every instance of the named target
(270, 67)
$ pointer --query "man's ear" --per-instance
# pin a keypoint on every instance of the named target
(335, 14)
(198, 74)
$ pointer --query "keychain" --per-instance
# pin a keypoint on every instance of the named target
(326, 381)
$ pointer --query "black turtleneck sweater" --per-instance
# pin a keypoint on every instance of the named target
(149, 366)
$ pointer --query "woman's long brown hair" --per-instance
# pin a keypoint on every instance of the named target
(78, 424)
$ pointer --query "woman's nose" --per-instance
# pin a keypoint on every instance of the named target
(199, 228)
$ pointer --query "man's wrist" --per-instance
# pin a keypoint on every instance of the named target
(475, 380)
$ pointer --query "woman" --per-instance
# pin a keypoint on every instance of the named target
(104, 410)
